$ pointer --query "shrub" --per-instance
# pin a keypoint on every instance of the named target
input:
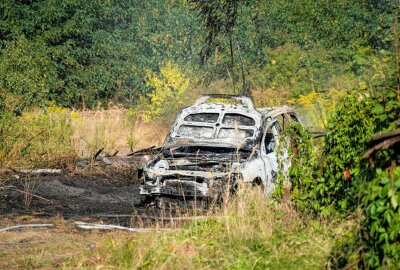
(357, 117)
(376, 243)
(342, 181)
(329, 183)
(302, 174)
(170, 92)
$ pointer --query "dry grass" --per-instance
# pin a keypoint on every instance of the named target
(50, 248)
(115, 130)
(248, 232)
(56, 136)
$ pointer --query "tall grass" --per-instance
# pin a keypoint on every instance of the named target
(249, 232)
(37, 138)
(56, 136)
(115, 130)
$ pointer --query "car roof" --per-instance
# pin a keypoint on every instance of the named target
(246, 106)
(274, 111)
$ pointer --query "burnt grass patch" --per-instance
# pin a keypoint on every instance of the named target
(69, 195)
(104, 195)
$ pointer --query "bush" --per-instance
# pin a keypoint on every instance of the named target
(381, 233)
(376, 243)
(329, 183)
(170, 92)
(303, 170)
(357, 118)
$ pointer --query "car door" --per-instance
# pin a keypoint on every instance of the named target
(269, 146)
(285, 120)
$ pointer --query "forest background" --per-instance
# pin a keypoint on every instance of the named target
(93, 54)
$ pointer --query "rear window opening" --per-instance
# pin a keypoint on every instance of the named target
(225, 100)
(196, 132)
(202, 117)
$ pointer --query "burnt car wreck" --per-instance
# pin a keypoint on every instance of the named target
(213, 146)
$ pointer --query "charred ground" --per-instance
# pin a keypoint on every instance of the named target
(95, 190)
(68, 195)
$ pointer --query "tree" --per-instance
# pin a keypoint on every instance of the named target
(219, 18)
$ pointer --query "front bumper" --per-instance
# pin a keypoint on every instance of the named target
(177, 188)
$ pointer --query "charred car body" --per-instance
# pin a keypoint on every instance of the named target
(213, 145)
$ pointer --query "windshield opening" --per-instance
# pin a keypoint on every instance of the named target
(196, 131)
(238, 119)
(235, 133)
(204, 150)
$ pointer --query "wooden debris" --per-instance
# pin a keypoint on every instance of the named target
(98, 153)
(95, 226)
(25, 226)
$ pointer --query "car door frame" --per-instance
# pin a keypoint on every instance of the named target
(270, 160)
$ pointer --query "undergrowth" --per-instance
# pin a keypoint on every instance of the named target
(338, 181)
(248, 233)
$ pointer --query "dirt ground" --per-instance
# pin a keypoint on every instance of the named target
(106, 194)
(100, 195)
(60, 200)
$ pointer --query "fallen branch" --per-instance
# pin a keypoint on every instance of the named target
(31, 171)
(385, 135)
(382, 146)
(166, 218)
(98, 153)
(33, 195)
(41, 171)
(25, 226)
(148, 150)
(95, 226)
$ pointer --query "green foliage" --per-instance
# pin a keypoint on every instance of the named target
(88, 53)
(375, 244)
(381, 232)
(219, 18)
(329, 183)
(301, 177)
(85, 53)
(27, 72)
(171, 89)
(357, 118)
